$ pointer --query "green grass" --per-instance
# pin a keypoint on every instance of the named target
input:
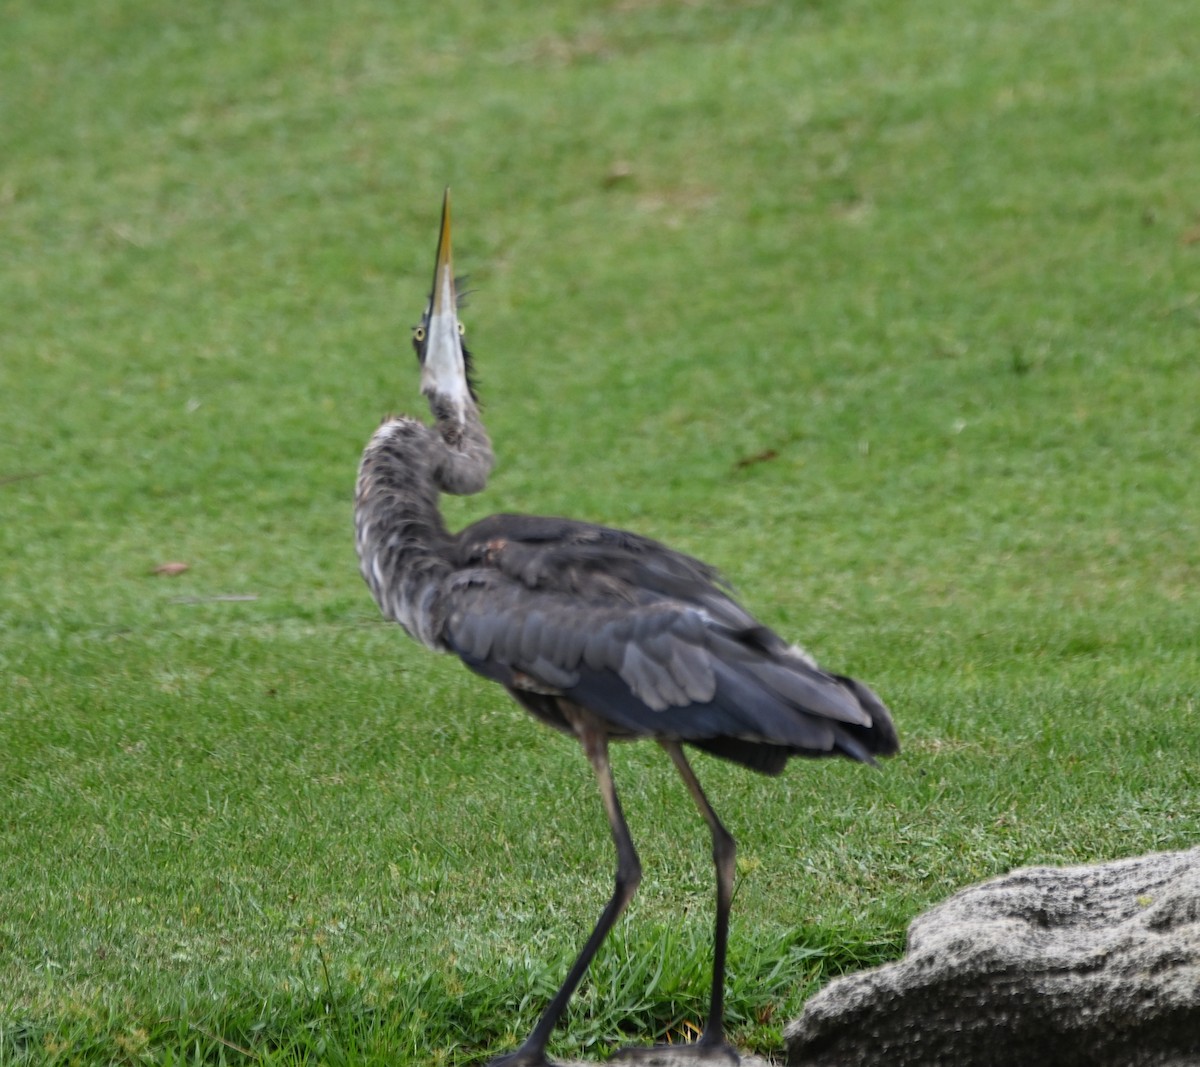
(890, 311)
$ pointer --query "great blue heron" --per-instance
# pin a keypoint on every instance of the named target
(599, 633)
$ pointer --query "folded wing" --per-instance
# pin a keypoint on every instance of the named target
(649, 640)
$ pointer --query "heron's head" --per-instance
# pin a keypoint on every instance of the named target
(439, 338)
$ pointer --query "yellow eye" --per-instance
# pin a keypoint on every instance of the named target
(461, 329)
(418, 333)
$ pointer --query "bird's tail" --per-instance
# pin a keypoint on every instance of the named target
(880, 738)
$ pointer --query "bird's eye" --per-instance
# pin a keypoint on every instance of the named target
(418, 333)
(461, 329)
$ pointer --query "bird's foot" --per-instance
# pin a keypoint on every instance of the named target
(717, 1053)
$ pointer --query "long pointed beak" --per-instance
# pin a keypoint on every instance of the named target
(444, 297)
(443, 368)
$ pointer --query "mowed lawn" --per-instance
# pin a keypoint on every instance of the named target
(890, 311)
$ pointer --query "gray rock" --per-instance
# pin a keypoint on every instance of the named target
(1046, 966)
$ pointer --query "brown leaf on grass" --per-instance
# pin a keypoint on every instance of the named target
(170, 569)
(1192, 236)
(621, 170)
(765, 456)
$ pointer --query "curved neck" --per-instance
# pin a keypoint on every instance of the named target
(402, 540)
(464, 462)
(399, 532)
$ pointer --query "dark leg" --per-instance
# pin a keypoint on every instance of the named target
(532, 1052)
(712, 1043)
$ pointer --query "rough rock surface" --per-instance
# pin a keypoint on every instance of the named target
(1054, 966)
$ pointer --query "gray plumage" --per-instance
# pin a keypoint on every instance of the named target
(642, 635)
(598, 632)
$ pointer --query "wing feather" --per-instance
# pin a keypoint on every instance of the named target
(647, 639)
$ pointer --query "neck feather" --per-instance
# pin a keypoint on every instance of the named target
(465, 461)
(403, 544)
(399, 532)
